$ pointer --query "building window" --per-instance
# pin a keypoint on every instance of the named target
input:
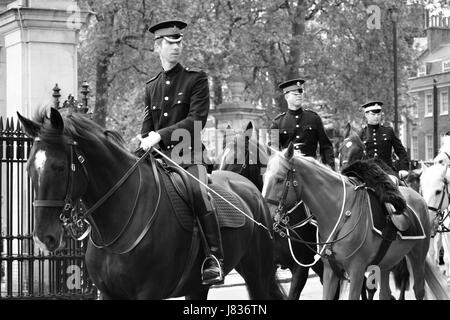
(429, 155)
(446, 65)
(422, 70)
(444, 103)
(414, 110)
(414, 148)
(428, 105)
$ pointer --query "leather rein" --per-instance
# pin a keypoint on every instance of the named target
(77, 223)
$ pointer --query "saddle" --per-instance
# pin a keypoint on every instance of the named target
(179, 190)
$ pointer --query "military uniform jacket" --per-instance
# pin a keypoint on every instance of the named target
(379, 141)
(304, 126)
(175, 100)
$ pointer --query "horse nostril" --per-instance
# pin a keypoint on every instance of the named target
(50, 243)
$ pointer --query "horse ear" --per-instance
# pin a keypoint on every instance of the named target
(290, 151)
(30, 127)
(347, 130)
(56, 120)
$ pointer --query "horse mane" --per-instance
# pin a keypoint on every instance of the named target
(77, 126)
(302, 156)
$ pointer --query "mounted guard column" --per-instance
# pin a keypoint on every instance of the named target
(40, 39)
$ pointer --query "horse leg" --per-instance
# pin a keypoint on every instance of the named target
(446, 246)
(202, 294)
(330, 282)
(318, 269)
(298, 280)
(385, 289)
(356, 274)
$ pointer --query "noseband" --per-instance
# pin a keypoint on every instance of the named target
(72, 220)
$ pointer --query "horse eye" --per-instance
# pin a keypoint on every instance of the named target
(279, 180)
(438, 192)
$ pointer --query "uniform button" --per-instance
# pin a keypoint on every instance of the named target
(168, 147)
(165, 114)
(189, 147)
(298, 137)
(167, 82)
(178, 101)
(296, 117)
(166, 98)
(284, 132)
(375, 143)
(154, 107)
(376, 154)
(297, 126)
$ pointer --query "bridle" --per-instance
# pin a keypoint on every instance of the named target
(442, 214)
(72, 221)
(281, 213)
(76, 222)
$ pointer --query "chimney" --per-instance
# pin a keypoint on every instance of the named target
(438, 30)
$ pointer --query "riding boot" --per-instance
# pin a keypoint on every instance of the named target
(399, 219)
(212, 271)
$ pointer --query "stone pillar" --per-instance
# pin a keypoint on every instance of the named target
(40, 49)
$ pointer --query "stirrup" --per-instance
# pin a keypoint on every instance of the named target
(218, 279)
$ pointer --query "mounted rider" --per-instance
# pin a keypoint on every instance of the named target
(380, 140)
(177, 102)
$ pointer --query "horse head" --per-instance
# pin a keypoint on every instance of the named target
(51, 167)
(352, 148)
(434, 186)
(280, 188)
(244, 155)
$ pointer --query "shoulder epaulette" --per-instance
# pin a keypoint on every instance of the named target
(193, 69)
(153, 78)
(281, 114)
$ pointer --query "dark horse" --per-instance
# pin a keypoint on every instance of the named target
(353, 149)
(138, 248)
(245, 155)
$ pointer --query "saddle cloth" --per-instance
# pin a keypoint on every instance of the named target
(379, 221)
(228, 216)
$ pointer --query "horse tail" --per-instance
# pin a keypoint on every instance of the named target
(401, 275)
(436, 281)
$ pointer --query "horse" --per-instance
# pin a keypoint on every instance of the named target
(443, 158)
(345, 225)
(353, 149)
(297, 256)
(138, 247)
(434, 182)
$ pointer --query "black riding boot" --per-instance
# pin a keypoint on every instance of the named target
(212, 272)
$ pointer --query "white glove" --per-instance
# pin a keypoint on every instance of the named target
(403, 174)
(151, 140)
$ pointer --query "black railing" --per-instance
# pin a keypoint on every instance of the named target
(27, 273)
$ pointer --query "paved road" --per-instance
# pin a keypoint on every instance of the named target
(233, 288)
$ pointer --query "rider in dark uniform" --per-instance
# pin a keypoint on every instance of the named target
(176, 107)
(380, 140)
(301, 126)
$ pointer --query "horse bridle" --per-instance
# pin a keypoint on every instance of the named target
(71, 220)
(442, 214)
(77, 222)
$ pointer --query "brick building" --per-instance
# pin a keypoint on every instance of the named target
(430, 92)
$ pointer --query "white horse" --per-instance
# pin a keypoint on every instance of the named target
(434, 182)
